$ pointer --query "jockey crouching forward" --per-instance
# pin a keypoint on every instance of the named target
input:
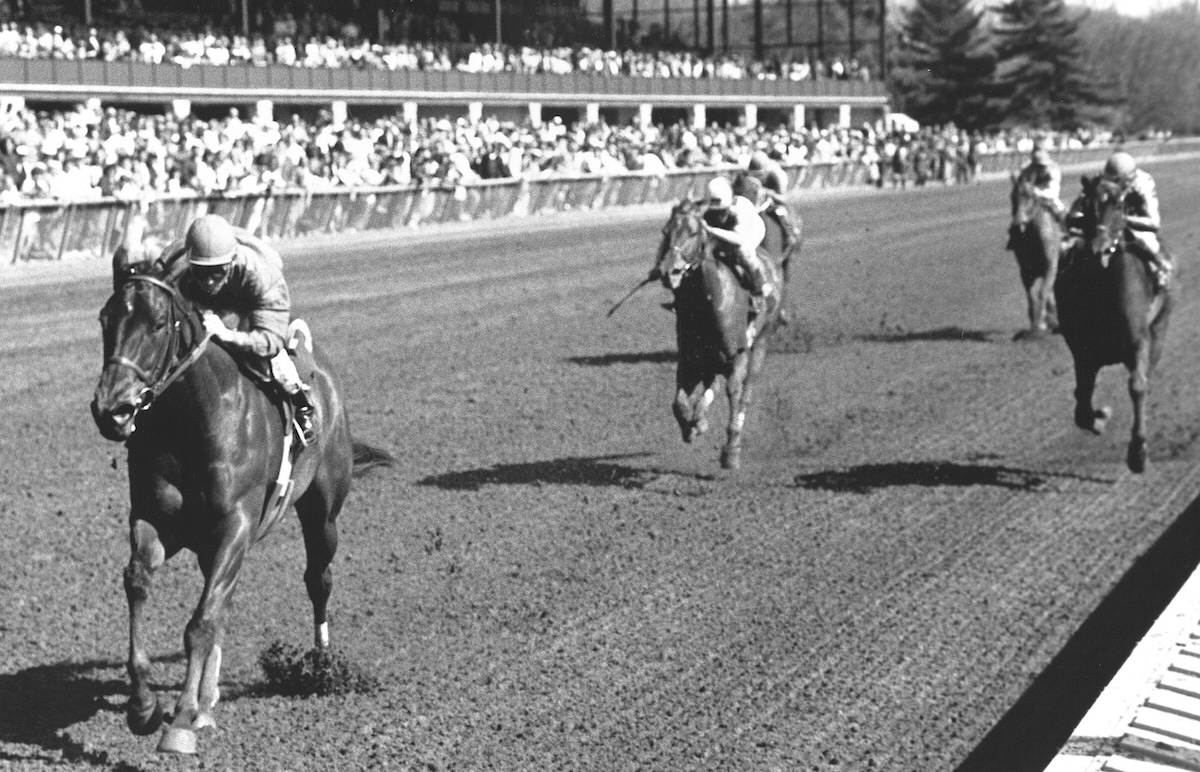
(769, 193)
(1142, 218)
(1045, 180)
(736, 225)
(231, 271)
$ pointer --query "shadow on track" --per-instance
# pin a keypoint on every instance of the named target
(607, 360)
(931, 474)
(942, 333)
(42, 701)
(594, 471)
(1033, 730)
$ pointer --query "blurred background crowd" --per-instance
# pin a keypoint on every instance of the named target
(89, 152)
(348, 48)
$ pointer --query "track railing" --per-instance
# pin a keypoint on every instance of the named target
(41, 230)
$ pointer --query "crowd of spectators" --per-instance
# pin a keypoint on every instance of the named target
(187, 48)
(94, 152)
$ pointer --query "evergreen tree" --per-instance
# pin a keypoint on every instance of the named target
(1041, 68)
(944, 65)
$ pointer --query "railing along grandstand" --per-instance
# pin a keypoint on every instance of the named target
(46, 230)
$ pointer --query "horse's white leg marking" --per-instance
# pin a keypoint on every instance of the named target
(321, 635)
(709, 396)
(739, 420)
(210, 691)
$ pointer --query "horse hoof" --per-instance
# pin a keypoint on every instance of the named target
(177, 740)
(731, 459)
(1137, 457)
(143, 721)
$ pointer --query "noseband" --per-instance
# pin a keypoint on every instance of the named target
(166, 370)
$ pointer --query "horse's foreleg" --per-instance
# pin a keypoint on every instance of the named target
(1086, 416)
(693, 396)
(318, 509)
(739, 386)
(1139, 383)
(731, 454)
(202, 640)
(143, 714)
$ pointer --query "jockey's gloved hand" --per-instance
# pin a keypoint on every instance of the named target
(213, 326)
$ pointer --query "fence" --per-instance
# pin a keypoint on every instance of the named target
(54, 230)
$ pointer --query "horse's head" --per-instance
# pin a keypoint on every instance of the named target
(683, 243)
(1103, 216)
(145, 325)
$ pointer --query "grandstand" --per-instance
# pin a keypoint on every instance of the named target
(693, 63)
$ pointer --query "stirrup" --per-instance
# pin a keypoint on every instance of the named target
(303, 424)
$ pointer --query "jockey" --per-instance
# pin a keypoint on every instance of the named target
(769, 193)
(1142, 217)
(232, 272)
(735, 222)
(1045, 179)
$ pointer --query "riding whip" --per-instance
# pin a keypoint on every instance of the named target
(632, 292)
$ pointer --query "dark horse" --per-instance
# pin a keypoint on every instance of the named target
(1037, 247)
(711, 324)
(205, 475)
(1110, 313)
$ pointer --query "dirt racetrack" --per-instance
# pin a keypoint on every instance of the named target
(923, 564)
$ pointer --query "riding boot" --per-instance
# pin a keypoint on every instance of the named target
(1162, 270)
(302, 400)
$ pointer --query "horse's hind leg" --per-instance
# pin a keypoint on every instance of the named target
(1086, 416)
(143, 713)
(318, 508)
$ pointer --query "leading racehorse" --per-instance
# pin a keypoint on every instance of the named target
(211, 470)
(1110, 313)
(712, 329)
(1037, 247)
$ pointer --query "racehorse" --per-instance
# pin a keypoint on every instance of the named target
(1110, 313)
(205, 445)
(711, 324)
(1037, 248)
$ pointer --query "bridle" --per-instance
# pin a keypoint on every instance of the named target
(1115, 243)
(676, 254)
(168, 368)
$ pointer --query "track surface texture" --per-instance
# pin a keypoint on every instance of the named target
(549, 579)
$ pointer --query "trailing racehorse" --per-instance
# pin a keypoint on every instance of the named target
(1110, 313)
(212, 467)
(711, 322)
(1037, 246)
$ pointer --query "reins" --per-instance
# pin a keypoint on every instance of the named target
(166, 370)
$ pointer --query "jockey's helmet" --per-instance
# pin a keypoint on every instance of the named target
(211, 241)
(1120, 166)
(1040, 157)
(720, 193)
(759, 161)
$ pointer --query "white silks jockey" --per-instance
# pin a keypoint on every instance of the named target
(1142, 218)
(735, 223)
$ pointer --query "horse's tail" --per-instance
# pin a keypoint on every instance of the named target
(368, 457)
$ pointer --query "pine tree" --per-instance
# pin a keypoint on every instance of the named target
(1041, 68)
(944, 65)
